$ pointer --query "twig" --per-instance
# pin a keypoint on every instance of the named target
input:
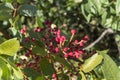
(99, 38)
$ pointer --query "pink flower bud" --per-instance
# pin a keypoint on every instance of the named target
(66, 55)
(57, 49)
(25, 28)
(62, 39)
(81, 44)
(77, 54)
(58, 32)
(80, 51)
(23, 31)
(57, 39)
(73, 31)
(71, 54)
(54, 75)
(86, 38)
(76, 42)
(65, 49)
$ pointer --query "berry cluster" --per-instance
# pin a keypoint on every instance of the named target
(55, 43)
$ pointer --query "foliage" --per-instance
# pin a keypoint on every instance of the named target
(32, 47)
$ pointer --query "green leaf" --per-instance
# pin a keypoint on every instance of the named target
(109, 67)
(28, 10)
(9, 1)
(82, 75)
(39, 48)
(78, 1)
(104, 15)
(91, 63)
(23, 1)
(31, 73)
(18, 73)
(6, 72)
(62, 61)
(6, 11)
(39, 21)
(85, 13)
(4, 15)
(40, 78)
(7, 7)
(97, 4)
(10, 6)
(117, 7)
(46, 67)
(9, 47)
(51, 1)
(1, 72)
(64, 77)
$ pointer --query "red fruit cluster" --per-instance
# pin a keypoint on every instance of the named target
(75, 48)
(55, 42)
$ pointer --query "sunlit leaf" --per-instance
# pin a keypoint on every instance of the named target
(117, 7)
(82, 75)
(9, 47)
(1, 72)
(109, 68)
(91, 63)
(5, 70)
(18, 73)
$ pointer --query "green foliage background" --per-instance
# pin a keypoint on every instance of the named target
(89, 17)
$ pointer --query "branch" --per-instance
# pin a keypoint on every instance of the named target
(99, 38)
